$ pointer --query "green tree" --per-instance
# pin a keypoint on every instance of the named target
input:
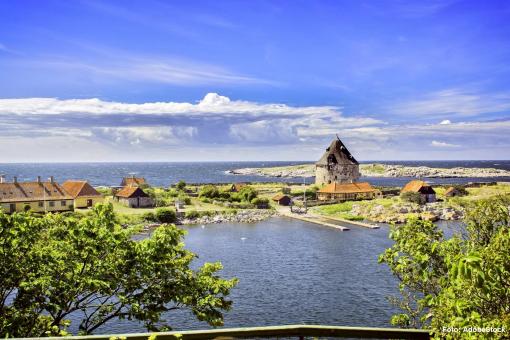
(181, 185)
(247, 193)
(53, 266)
(461, 281)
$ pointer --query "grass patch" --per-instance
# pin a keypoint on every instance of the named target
(335, 209)
(373, 168)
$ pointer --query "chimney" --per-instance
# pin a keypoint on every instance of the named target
(2, 179)
(38, 179)
(52, 180)
(15, 179)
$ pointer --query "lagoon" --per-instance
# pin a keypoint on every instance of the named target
(292, 272)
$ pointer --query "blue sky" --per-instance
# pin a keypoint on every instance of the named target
(253, 80)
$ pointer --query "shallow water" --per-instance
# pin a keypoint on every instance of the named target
(292, 272)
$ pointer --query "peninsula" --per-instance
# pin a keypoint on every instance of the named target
(377, 170)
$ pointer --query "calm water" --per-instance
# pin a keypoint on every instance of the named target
(164, 174)
(293, 272)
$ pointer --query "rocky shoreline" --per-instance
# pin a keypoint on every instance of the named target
(378, 170)
(399, 213)
(242, 216)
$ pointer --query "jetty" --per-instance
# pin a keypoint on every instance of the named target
(311, 219)
(358, 223)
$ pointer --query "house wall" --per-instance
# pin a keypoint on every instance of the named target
(340, 173)
(137, 202)
(347, 196)
(35, 207)
(81, 201)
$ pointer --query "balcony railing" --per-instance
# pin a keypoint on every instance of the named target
(290, 331)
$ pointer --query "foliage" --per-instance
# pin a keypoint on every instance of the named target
(181, 185)
(149, 217)
(105, 191)
(184, 198)
(461, 191)
(192, 214)
(166, 215)
(246, 194)
(458, 282)
(209, 191)
(411, 197)
(54, 266)
(260, 202)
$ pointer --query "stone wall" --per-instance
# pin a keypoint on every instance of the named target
(340, 173)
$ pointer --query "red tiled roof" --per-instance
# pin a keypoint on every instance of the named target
(341, 188)
(131, 191)
(79, 188)
(415, 186)
(133, 181)
(32, 191)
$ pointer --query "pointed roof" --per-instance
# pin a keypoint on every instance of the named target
(133, 181)
(79, 188)
(339, 150)
(418, 186)
(131, 191)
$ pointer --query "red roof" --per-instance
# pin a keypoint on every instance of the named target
(341, 188)
(418, 186)
(32, 191)
(79, 188)
(128, 192)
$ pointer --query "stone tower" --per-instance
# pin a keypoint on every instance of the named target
(336, 165)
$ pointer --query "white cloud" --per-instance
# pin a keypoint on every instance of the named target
(160, 135)
(443, 144)
(445, 122)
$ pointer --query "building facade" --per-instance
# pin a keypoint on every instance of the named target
(427, 193)
(340, 192)
(336, 165)
(35, 196)
(133, 197)
(84, 195)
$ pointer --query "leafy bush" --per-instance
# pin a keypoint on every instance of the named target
(181, 185)
(247, 193)
(412, 197)
(184, 198)
(149, 217)
(209, 191)
(260, 202)
(166, 215)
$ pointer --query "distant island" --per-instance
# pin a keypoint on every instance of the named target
(377, 170)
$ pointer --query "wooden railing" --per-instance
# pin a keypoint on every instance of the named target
(290, 331)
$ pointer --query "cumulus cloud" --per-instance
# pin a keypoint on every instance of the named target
(218, 122)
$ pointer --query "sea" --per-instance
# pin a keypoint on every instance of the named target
(167, 173)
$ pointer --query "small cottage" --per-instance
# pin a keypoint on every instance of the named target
(425, 190)
(282, 199)
(133, 181)
(133, 197)
(84, 195)
(455, 192)
(347, 192)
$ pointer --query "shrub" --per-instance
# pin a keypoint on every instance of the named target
(184, 198)
(260, 202)
(181, 185)
(166, 215)
(247, 193)
(412, 197)
(149, 217)
(192, 214)
(209, 191)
